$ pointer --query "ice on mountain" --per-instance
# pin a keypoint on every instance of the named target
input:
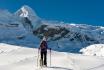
(25, 13)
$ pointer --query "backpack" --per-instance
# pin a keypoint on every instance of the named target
(43, 46)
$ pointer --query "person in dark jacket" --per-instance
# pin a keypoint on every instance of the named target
(43, 52)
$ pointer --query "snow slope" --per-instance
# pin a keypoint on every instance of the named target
(20, 58)
(94, 50)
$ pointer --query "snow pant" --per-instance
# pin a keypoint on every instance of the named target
(44, 58)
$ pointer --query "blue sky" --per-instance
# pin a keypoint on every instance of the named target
(76, 11)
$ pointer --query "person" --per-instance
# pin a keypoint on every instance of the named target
(43, 52)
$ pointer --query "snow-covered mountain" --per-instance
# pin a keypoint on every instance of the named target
(70, 37)
(29, 16)
(13, 30)
(25, 28)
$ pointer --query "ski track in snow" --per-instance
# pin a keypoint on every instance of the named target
(20, 58)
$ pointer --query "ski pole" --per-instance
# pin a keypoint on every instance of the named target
(38, 58)
(50, 57)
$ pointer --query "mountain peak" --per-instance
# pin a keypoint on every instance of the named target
(26, 11)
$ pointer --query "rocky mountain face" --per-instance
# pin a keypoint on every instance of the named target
(71, 36)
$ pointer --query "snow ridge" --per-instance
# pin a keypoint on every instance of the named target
(94, 50)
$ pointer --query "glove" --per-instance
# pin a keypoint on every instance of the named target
(50, 48)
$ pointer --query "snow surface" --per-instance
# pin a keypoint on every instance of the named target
(20, 58)
(94, 50)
